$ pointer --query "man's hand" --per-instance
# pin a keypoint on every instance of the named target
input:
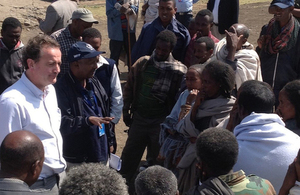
(289, 180)
(129, 11)
(199, 99)
(198, 35)
(260, 41)
(99, 120)
(192, 96)
(234, 119)
(111, 149)
(232, 40)
(292, 174)
(124, 8)
(127, 118)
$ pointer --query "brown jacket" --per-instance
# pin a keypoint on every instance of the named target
(134, 83)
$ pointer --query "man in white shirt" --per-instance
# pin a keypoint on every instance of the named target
(31, 104)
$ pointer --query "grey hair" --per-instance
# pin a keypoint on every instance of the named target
(93, 179)
(156, 180)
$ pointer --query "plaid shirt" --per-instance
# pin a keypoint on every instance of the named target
(169, 71)
(164, 93)
(65, 40)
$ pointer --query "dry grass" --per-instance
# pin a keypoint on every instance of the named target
(242, 2)
(98, 9)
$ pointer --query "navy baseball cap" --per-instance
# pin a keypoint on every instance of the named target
(82, 50)
(283, 3)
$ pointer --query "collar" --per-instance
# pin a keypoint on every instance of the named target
(210, 35)
(76, 81)
(17, 46)
(73, 78)
(163, 64)
(101, 61)
(68, 33)
(34, 90)
(233, 178)
(19, 185)
(172, 26)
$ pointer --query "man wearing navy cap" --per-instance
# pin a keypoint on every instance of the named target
(279, 55)
(85, 125)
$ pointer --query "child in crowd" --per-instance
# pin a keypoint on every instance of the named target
(203, 51)
(173, 144)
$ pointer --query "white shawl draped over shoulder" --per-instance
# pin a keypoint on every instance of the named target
(266, 147)
(248, 62)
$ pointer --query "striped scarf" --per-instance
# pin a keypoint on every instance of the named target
(276, 41)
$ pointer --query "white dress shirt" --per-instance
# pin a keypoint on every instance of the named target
(24, 106)
(116, 96)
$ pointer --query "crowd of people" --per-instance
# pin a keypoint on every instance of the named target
(216, 115)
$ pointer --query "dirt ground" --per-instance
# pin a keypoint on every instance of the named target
(253, 15)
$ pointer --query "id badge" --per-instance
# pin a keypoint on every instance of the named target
(101, 130)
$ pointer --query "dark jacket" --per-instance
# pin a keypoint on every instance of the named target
(81, 141)
(146, 41)
(228, 13)
(288, 65)
(103, 74)
(11, 67)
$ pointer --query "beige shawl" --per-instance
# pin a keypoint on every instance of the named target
(248, 63)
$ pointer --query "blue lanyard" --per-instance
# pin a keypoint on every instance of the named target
(90, 98)
(91, 101)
